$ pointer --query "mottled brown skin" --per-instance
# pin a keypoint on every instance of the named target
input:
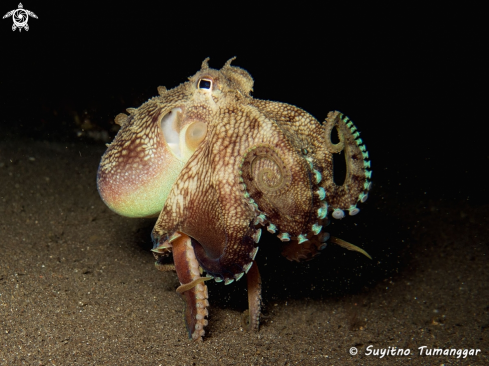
(250, 164)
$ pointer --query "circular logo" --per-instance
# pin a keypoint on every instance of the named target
(20, 17)
(353, 351)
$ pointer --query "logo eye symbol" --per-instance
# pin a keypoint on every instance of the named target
(205, 84)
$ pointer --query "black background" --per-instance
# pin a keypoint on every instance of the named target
(407, 76)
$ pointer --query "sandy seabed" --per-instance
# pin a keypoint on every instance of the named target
(78, 284)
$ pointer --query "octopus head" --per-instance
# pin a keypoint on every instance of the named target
(140, 166)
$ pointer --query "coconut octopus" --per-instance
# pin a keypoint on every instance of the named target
(219, 166)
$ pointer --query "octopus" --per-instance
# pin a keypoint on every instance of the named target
(218, 167)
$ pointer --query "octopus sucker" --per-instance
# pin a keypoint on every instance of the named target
(321, 193)
(322, 211)
(216, 165)
(193, 288)
(338, 213)
(353, 210)
(342, 197)
(248, 266)
(316, 228)
(271, 228)
(256, 236)
(284, 236)
(301, 238)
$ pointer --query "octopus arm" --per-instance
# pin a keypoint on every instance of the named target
(193, 288)
(357, 180)
(212, 213)
(254, 298)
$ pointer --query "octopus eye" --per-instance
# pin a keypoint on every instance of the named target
(205, 84)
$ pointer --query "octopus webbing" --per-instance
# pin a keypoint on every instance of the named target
(218, 166)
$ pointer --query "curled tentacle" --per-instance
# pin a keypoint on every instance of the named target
(356, 185)
(268, 170)
(267, 174)
(328, 129)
